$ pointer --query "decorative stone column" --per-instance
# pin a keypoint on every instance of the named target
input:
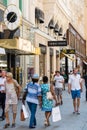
(54, 61)
(48, 63)
(36, 64)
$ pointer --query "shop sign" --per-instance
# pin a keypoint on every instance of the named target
(57, 43)
(26, 45)
(68, 51)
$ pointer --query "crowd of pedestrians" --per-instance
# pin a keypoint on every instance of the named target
(36, 94)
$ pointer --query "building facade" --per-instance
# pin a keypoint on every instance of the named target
(44, 21)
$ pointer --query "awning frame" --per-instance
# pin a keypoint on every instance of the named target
(73, 59)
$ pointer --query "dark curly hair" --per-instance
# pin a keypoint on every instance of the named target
(45, 79)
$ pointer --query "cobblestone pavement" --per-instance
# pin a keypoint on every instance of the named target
(69, 120)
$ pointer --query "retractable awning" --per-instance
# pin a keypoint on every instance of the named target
(20, 45)
(63, 54)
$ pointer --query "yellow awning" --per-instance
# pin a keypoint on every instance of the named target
(63, 54)
(21, 45)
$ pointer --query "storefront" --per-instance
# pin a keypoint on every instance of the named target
(51, 61)
(14, 49)
(57, 59)
(79, 44)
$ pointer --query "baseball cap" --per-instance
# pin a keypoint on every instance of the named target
(35, 76)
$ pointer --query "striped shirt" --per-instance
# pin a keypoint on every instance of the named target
(34, 90)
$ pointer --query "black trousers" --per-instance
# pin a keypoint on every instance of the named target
(86, 92)
(2, 102)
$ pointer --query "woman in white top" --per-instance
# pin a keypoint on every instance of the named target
(11, 86)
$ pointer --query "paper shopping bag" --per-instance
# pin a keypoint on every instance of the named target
(25, 111)
(56, 115)
(22, 115)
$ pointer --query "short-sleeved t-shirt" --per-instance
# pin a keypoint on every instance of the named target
(75, 81)
(34, 90)
(57, 80)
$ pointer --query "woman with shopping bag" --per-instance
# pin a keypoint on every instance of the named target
(32, 95)
(47, 101)
(11, 98)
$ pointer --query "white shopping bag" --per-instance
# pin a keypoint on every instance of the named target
(25, 111)
(56, 115)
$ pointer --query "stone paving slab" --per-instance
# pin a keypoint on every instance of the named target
(69, 120)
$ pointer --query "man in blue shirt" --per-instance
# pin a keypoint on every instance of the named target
(33, 98)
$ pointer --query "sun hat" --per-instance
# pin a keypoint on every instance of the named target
(35, 76)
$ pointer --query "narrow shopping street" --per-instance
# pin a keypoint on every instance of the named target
(69, 120)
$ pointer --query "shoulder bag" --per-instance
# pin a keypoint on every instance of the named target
(49, 95)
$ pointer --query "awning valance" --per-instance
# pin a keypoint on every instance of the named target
(63, 54)
(21, 45)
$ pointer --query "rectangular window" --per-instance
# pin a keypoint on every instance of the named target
(4, 2)
(20, 5)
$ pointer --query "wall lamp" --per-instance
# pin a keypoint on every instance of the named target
(64, 36)
(60, 31)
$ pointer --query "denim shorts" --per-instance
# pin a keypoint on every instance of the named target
(76, 94)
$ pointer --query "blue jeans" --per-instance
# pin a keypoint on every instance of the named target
(33, 108)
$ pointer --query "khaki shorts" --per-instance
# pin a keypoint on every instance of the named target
(14, 108)
(58, 91)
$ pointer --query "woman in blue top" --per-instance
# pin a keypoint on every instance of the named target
(46, 103)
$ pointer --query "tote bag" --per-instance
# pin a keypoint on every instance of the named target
(25, 111)
(49, 95)
(22, 118)
(56, 115)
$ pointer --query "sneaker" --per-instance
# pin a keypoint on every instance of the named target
(2, 118)
(78, 113)
(74, 112)
(31, 127)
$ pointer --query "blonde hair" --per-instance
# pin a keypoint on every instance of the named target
(9, 74)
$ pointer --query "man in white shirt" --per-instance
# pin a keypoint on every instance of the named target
(75, 88)
(2, 93)
(59, 80)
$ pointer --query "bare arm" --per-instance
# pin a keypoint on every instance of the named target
(81, 84)
(69, 88)
(53, 93)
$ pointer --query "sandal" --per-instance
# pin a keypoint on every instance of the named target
(48, 123)
(45, 123)
(6, 125)
(13, 125)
